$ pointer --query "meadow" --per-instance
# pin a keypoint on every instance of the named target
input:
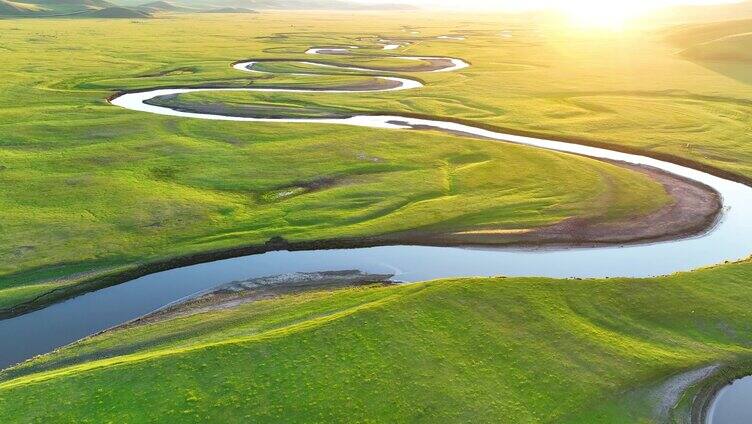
(87, 190)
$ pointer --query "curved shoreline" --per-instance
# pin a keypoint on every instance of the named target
(711, 387)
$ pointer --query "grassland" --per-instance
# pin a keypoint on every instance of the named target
(87, 188)
(32, 8)
(723, 47)
(485, 350)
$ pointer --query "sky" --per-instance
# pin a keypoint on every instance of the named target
(552, 4)
(607, 14)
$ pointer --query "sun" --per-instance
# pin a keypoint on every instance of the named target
(612, 14)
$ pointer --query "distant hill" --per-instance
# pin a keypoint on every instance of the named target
(11, 8)
(689, 34)
(383, 6)
(230, 10)
(163, 6)
(50, 7)
(91, 3)
(723, 47)
(720, 41)
(281, 4)
(115, 12)
(134, 8)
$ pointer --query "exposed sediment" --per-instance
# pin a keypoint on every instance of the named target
(240, 292)
(693, 209)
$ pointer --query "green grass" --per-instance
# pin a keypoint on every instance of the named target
(723, 47)
(480, 350)
(86, 188)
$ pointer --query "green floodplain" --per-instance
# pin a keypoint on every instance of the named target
(88, 190)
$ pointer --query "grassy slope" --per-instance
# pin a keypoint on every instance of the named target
(723, 47)
(41, 8)
(481, 350)
(87, 187)
(18, 9)
(116, 12)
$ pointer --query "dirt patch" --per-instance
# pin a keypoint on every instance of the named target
(429, 65)
(174, 102)
(694, 208)
(334, 50)
(667, 395)
(176, 71)
(302, 187)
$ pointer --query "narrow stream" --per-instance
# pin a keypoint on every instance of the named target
(46, 329)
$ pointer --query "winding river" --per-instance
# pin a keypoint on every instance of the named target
(46, 329)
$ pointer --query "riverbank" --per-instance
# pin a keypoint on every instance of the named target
(476, 338)
(236, 293)
(704, 394)
(695, 209)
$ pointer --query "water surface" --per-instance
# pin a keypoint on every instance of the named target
(733, 404)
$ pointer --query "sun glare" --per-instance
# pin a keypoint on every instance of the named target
(603, 14)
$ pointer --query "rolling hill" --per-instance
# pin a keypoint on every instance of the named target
(19, 9)
(724, 47)
(727, 41)
(282, 4)
(86, 9)
(230, 10)
(74, 3)
(134, 9)
(115, 12)
(163, 6)
(51, 7)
